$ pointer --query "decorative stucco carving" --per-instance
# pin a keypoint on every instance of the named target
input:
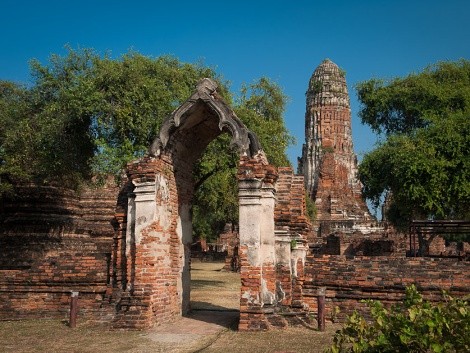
(206, 93)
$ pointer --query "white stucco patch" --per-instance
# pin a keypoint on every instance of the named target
(184, 227)
(162, 201)
(252, 299)
(268, 297)
(141, 210)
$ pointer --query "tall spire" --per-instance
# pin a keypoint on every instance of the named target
(328, 162)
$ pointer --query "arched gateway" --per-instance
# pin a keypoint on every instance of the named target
(151, 252)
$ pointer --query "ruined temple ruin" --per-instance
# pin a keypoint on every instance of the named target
(135, 271)
(125, 249)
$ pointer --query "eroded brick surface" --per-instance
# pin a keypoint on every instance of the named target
(54, 241)
(328, 162)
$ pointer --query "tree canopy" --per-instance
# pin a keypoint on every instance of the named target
(402, 105)
(422, 165)
(85, 116)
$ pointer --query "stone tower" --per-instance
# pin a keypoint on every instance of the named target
(328, 162)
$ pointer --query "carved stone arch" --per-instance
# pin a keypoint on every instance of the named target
(152, 254)
(190, 115)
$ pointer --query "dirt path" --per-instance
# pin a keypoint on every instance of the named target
(193, 333)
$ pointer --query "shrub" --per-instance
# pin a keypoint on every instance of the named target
(416, 325)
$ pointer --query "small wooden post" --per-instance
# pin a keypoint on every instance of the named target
(73, 309)
(321, 308)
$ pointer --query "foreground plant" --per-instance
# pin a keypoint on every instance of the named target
(416, 325)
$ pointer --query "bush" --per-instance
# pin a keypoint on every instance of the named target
(416, 325)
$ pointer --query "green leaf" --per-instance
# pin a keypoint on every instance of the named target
(436, 347)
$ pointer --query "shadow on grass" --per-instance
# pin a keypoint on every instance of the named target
(215, 314)
(202, 283)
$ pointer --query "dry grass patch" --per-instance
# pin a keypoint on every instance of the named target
(41, 336)
(213, 288)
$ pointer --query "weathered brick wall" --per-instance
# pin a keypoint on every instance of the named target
(349, 280)
(436, 245)
(293, 228)
(43, 288)
(386, 243)
(54, 241)
(328, 161)
(290, 212)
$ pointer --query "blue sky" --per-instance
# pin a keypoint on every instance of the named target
(244, 40)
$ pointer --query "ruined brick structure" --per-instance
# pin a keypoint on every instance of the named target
(126, 250)
(228, 242)
(426, 238)
(328, 162)
(352, 256)
(349, 280)
(343, 224)
(154, 233)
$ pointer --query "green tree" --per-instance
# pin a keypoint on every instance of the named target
(423, 164)
(261, 107)
(87, 116)
(136, 94)
(402, 105)
(15, 135)
(216, 190)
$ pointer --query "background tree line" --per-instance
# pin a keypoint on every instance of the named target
(84, 116)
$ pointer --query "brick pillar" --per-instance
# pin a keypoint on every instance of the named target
(283, 267)
(257, 254)
(140, 213)
(135, 306)
(250, 261)
(267, 246)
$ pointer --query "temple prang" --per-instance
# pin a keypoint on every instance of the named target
(328, 162)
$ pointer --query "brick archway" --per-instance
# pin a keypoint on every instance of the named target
(151, 253)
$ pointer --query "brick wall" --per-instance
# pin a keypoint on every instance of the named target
(292, 226)
(54, 241)
(290, 212)
(355, 243)
(349, 280)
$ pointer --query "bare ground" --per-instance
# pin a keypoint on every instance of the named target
(210, 329)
